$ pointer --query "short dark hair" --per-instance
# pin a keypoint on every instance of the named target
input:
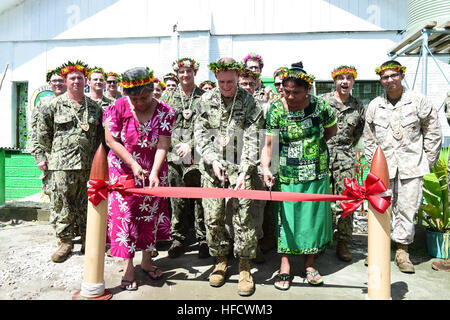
(392, 62)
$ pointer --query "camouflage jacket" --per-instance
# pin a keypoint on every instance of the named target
(350, 125)
(35, 148)
(119, 95)
(225, 133)
(61, 137)
(409, 134)
(104, 102)
(184, 128)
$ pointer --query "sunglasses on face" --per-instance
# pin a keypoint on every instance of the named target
(111, 81)
(277, 84)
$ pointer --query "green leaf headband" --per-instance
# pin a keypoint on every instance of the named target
(344, 69)
(298, 75)
(379, 70)
(249, 74)
(215, 67)
(128, 83)
(96, 70)
(52, 72)
(185, 62)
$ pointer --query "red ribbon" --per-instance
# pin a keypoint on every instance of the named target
(97, 191)
(369, 190)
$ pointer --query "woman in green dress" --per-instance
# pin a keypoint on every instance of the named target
(301, 124)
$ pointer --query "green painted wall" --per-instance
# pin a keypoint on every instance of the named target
(22, 177)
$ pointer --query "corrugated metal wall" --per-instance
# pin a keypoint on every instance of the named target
(422, 11)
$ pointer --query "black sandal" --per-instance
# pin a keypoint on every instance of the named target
(285, 277)
(129, 282)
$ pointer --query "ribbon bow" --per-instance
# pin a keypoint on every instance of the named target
(371, 189)
(98, 189)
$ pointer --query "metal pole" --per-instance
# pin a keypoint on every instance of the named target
(425, 60)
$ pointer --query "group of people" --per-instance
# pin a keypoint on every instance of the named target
(171, 132)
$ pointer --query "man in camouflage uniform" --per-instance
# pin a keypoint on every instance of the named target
(406, 127)
(248, 81)
(350, 112)
(183, 171)
(112, 87)
(254, 62)
(96, 83)
(58, 87)
(69, 132)
(225, 130)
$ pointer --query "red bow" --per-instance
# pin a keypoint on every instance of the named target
(98, 189)
(369, 190)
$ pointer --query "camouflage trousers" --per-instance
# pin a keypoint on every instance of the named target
(182, 176)
(217, 236)
(405, 203)
(68, 202)
(342, 227)
(256, 208)
(46, 178)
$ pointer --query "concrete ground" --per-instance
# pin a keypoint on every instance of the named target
(27, 273)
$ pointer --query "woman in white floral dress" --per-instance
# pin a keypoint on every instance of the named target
(138, 130)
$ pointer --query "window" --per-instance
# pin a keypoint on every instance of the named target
(362, 90)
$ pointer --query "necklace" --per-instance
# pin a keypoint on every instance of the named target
(187, 113)
(83, 124)
(225, 139)
(142, 129)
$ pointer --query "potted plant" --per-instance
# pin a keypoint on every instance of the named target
(435, 211)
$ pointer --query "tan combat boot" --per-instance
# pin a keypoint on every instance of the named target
(217, 277)
(402, 259)
(246, 286)
(63, 251)
(342, 251)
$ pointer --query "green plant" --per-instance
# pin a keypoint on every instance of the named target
(435, 209)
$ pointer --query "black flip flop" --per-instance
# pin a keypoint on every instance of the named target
(130, 283)
(149, 273)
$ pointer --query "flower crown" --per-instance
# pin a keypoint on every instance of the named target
(298, 75)
(128, 83)
(212, 83)
(171, 76)
(249, 74)
(69, 67)
(379, 70)
(279, 70)
(112, 74)
(51, 72)
(96, 70)
(215, 67)
(185, 62)
(344, 69)
(161, 83)
(254, 56)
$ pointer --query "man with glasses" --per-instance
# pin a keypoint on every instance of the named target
(406, 126)
(112, 91)
(58, 87)
(350, 112)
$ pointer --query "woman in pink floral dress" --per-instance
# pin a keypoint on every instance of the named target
(138, 130)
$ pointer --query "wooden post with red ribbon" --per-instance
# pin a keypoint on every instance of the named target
(379, 238)
(93, 286)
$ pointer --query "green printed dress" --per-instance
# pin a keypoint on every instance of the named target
(303, 227)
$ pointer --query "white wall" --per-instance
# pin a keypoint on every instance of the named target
(36, 35)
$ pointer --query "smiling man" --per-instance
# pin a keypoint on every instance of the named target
(69, 132)
(406, 126)
(183, 172)
(350, 112)
(96, 82)
(226, 138)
